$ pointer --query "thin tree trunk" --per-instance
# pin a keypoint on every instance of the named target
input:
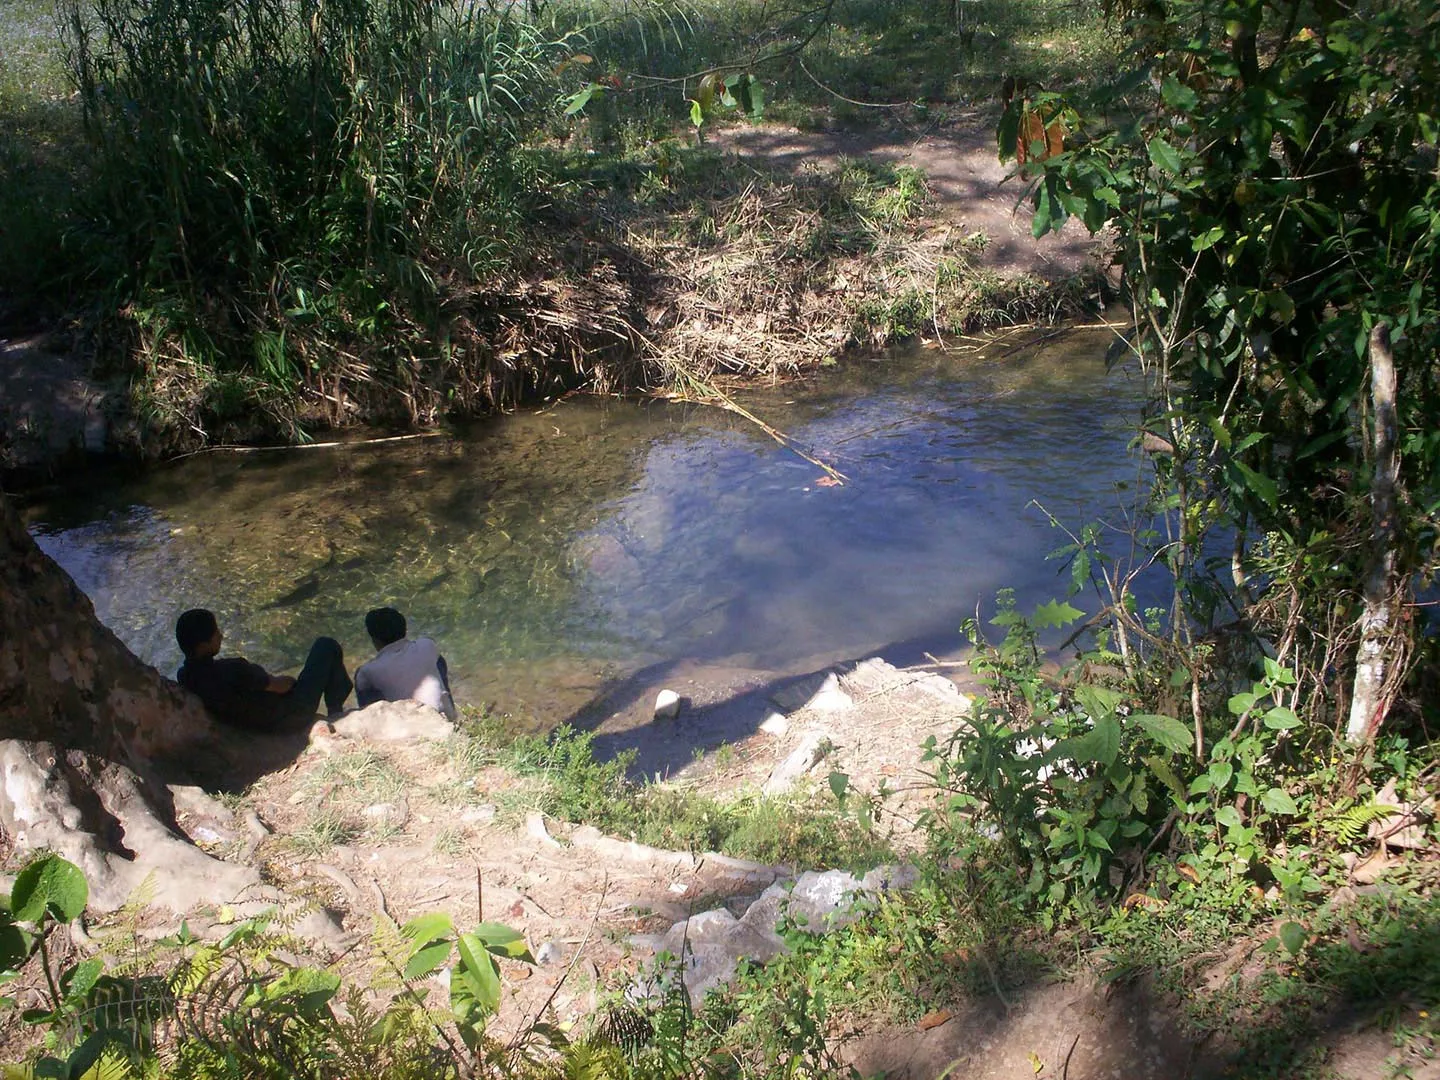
(1371, 698)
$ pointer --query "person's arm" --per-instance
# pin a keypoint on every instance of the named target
(280, 684)
(441, 667)
(365, 693)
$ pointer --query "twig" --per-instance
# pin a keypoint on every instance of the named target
(514, 1043)
(229, 449)
(1065, 1071)
(719, 399)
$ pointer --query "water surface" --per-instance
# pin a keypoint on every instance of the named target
(550, 550)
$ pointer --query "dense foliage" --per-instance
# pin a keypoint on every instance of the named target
(1269, 173)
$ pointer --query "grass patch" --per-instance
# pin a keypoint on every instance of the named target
(321, 833)
(560, 776)
(359, 777)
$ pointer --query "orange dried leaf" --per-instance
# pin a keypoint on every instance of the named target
(934, 1019)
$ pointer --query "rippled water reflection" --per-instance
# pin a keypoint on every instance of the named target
(550, 549)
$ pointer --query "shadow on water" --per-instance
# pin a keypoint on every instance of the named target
(563, 555)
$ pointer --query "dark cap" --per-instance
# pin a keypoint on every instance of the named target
(194, 628)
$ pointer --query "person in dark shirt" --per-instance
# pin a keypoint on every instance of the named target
(245, 695)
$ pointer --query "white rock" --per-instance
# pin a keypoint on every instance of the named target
(802, 759)
(387, 813)
(829, 698)
(394, 721)
(776, 724)
(667, 705)
(548, 953)
(535, 827)
(482, 813)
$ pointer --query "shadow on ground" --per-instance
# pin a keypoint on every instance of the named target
(1357, 1016)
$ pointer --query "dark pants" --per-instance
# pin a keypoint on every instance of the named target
(323, 675)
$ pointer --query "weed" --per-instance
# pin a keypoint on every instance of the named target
(450, 841)
(360, 776)
(321, 833)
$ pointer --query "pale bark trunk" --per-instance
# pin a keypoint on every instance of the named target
(82, 722)
(1373, 692)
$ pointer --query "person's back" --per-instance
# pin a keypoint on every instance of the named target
(403, 668)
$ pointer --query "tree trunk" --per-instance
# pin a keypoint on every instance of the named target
(83, 723)
(1373, 690)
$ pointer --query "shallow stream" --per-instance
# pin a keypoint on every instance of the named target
(551, 550)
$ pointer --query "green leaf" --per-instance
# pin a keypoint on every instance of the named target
(1229, 817)
(697, 113)
(1177, 95)
(79, 979)
(1281, 719)
(1161, 768)
(1164, 156)
(430, 940)
(1098, 701)
(1208, 239)
(49, 884)
(307, 990)
(1100, 744)
(503, 941)
(1240, 704)
(425, 960)
(1220, 774)
(423, 929)
(1008, 130)
(1278, 801)
(1046, 208)
(839, 785)
(1293, 936)
(1056, 613)
(1258, 485)
(1167, 731)
(757, 102)
(15, 946)
(581, 98)
(84, 1056)
(475, 982)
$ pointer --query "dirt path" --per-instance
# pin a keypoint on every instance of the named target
(967, 182)
(402, 828)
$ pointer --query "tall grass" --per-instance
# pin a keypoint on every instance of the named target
(852, 61)
(288, 192)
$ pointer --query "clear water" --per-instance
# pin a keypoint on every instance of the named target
(550, 550)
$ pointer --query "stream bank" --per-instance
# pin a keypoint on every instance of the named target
(773, 255)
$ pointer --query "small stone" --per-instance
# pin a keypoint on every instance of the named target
(535, 827)
(802, 759)
(548, 954)
(482, 813)
(386, 813)
(667, 705)
(776, 724)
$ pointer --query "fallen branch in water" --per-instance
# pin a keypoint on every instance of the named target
(229, 449)
(710, 394)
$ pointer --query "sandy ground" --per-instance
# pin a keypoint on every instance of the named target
(972, 190)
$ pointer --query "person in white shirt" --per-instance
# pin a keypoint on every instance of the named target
(402, 668)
